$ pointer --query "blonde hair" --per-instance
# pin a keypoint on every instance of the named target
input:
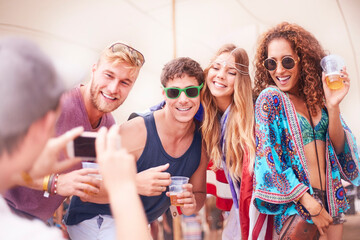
(239, 134)
(123, 53)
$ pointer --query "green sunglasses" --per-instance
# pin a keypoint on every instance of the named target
(191, 92)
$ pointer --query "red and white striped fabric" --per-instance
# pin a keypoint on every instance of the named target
(217, 185)
(254, 224)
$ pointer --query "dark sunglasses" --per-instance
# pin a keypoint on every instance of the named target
(191, 92)
(287, 62)
(119, 47)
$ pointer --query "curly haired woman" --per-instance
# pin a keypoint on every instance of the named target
(298, 167)
(228, 130)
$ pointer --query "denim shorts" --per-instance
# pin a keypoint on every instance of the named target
(321, 197)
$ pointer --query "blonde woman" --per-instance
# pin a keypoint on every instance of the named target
(228, 130)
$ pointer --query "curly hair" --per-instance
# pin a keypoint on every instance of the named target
(309, 52)
(239, 136)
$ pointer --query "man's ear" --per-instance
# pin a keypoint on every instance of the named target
(163, 94)
(93, 69)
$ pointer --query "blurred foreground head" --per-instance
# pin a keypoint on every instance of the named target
(29, 88)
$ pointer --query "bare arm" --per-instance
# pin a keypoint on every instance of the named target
(150, 182)
(72, 183)
(333, 99)
(119, 170)
(321, 217)
(47, 162)
(336, 134)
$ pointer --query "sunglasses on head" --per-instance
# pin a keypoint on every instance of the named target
(191, 92)
(119, 47)
(287, 63)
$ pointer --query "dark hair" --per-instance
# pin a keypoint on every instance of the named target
(178, 67)
(310, 53)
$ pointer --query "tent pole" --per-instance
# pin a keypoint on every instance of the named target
(174, 28)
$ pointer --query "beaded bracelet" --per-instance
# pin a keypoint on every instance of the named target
(54, 184)
(322, 207)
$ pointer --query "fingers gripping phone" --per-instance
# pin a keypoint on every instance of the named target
(83, 147)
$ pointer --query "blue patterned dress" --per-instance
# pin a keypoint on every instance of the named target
(281, 172)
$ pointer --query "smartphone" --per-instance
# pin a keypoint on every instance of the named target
(83, 147)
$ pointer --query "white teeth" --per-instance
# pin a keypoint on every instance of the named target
(219, 85)
(107, 96)
(283, 78)
(183, 109)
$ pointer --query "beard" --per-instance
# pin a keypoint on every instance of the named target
(102, 106)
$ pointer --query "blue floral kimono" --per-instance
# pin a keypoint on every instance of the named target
(281, 172)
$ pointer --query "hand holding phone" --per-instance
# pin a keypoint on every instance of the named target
(47, 162)
(83, 147)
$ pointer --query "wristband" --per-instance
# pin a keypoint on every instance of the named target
(45, 186)
(51, 179)
(46, 182)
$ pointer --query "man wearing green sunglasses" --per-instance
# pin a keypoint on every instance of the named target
(168, 143)
(191, 92)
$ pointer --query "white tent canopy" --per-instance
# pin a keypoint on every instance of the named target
(73, 32)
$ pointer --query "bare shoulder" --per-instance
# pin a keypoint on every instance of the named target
(133, 135)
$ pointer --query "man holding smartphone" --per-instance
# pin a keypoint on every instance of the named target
(29, 101)
(90, 106)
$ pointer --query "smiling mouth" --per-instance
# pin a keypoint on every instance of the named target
(283, 80)
(107, 96)
(219, 85)
(183, 109)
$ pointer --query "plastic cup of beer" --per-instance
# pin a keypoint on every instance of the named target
(331, 65)
(94, 166)
(176, 187)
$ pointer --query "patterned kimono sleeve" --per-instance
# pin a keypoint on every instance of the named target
(348, 160)
(276, 183)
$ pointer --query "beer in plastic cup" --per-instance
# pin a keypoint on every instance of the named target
(331, 65)
(97, 176)
(176, 187)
